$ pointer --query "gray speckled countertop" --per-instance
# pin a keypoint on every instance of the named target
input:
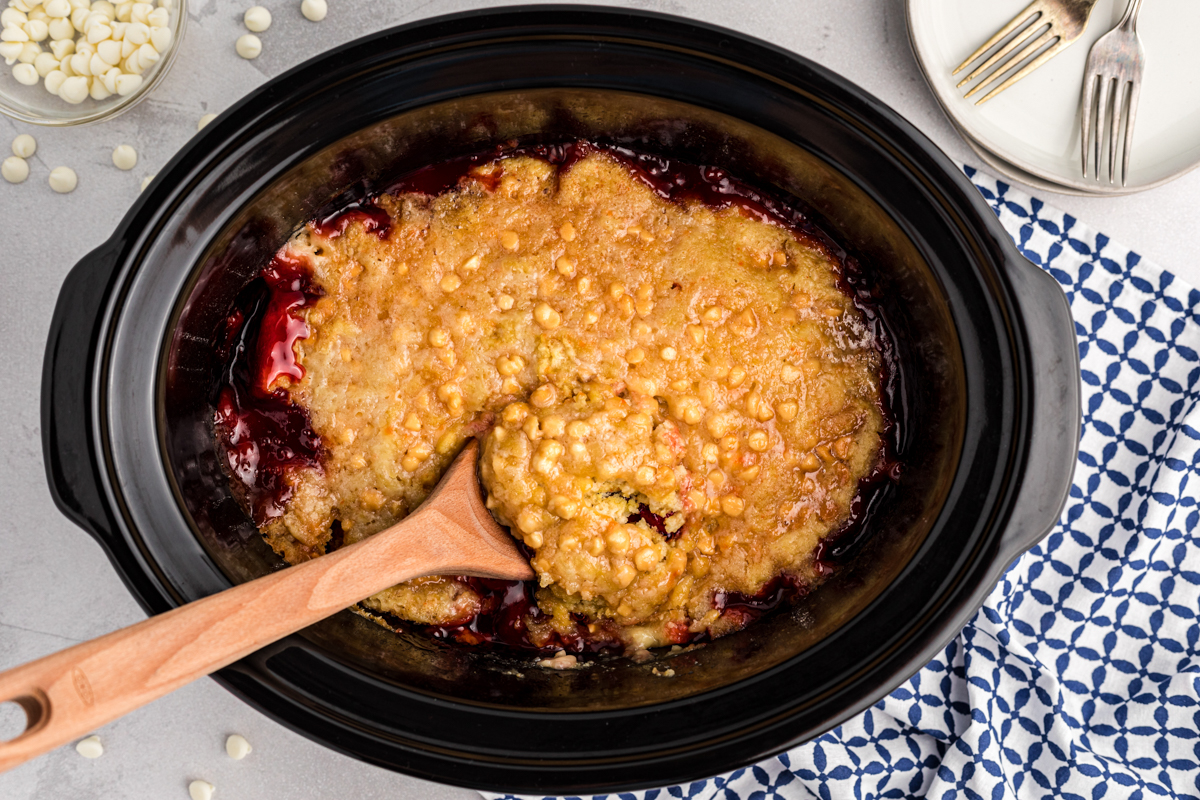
(56, 587)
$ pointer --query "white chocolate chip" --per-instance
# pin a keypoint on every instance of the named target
(37, 30)
(314, 10)
(60, 29)
(29, 52)
(257, 19)
(63, 180)
(74, 89)
(200, 790)
(110, 53)
(248, 46)
(63, 48)
(237, 747)
(54, 81)
(128, 84)
(207, 118)
(12, 33)
(140, 12)
(98, 33)
(12, 16)
(11, 51)
(93, 19)
(98, 90)
(124, 157)
(158, 18)
(137, 33)
(146, 182)
(161, 38)
(90, 747)
(26, 74)
(147, 56)
(14, 169)
(79, 64)
(24, 146)
(45, 63)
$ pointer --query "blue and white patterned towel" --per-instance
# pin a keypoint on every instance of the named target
(1080, 676)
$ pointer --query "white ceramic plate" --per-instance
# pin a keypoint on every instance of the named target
(1034, 124)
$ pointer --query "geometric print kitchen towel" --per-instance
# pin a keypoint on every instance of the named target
(1080, 676)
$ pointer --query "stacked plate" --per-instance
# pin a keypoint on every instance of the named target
(1030, 132)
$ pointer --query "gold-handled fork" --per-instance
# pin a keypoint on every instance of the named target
(1114, 64)
(1066, 21)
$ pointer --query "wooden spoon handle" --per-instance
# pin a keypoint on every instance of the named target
(70, 693)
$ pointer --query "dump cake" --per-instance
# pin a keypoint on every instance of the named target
(677, 396)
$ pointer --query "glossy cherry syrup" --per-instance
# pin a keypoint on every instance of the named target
(262, 433)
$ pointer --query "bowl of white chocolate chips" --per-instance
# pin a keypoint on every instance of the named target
(69, 62)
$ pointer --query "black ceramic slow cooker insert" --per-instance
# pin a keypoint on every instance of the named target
(989, 389)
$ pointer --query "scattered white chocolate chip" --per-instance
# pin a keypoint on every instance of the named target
(314, 10)
(14, 169)
(24, 146)
(146, 182)
(248, 46)
(561, 660)
(207, 118)
(124, 157)
(257, 19)
(63, 180)
(90, 747)
(200, 790)
(237, 747)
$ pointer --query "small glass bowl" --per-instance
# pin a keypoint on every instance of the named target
(35, 104)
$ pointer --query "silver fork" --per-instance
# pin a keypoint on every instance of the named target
(1114, 64)
(1067, 19)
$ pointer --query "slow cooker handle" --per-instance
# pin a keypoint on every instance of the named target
(1057, 408)
(68, 447)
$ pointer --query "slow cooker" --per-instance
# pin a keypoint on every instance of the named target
(988, 389)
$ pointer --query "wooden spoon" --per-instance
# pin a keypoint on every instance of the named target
(73, 692)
